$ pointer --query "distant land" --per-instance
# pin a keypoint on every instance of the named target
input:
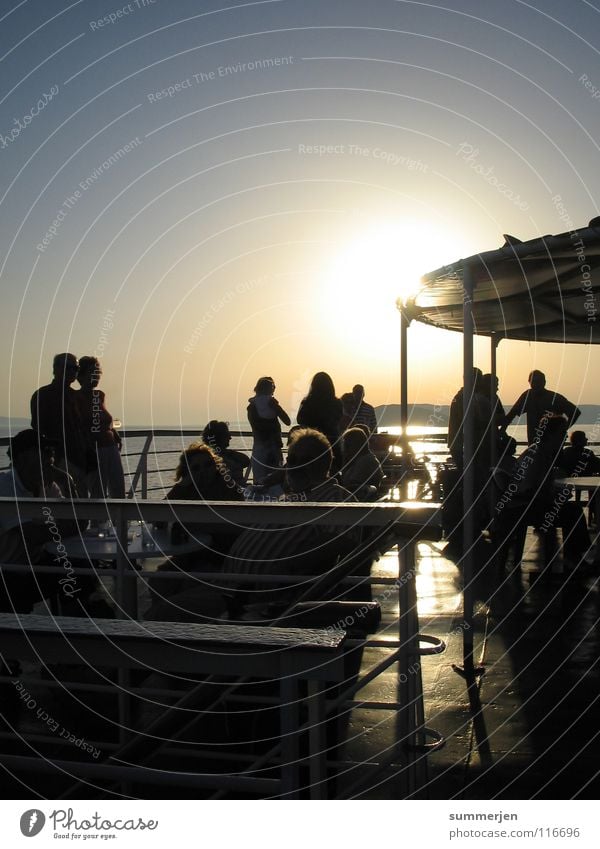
(427, 415)
(420, 415)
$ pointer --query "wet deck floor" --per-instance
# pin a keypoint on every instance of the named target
(530, 727)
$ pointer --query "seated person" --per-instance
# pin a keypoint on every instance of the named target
(300, 549)
(31, 475)
(531, 495)
(362, 470)
(201, 475)
(218, 437)
(579, 461)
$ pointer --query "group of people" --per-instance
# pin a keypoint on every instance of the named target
(86, 445)
(511, 490)
(347, 423)
(73, 450)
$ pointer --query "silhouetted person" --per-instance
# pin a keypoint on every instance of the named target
(365, 413)
(55, 414)
(481, 411)
(349, 410)
(264, 413)
(362, 472)
(537, 402)
(104, 467)
(31, 475)
(532, 497)
(300, 549)
(218, 437)
(579, 461)
(200, 475)
(322, 411)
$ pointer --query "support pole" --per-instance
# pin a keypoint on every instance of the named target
(403, 370)
(468, 479)
(494, 342)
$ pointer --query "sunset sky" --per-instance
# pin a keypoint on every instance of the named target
(205, 192)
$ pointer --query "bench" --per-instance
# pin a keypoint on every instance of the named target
(286, 655)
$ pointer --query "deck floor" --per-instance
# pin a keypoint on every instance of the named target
(529, 727)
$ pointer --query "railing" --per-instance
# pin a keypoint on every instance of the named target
(146, 466)
(410, 523)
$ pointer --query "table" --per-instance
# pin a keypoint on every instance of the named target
(579, 484)
(145, 544)
(156, 543)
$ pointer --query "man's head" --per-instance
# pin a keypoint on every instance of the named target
(348, 403)
(356, 442)
(359, 392)
(489, 383)
(578, 439)
(537, 379)
(32, 457)
(64, 368)
(309, 459)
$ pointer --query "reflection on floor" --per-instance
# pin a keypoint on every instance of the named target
(529, 728)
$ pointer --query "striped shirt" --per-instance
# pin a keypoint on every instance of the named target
(300, 549)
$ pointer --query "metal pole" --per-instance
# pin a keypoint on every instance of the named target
(468, 471)
(403, 371)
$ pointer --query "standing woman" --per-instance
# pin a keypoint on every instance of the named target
(322, 411)
(264, 413)
(105, 470)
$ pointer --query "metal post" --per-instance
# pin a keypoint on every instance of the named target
(403, 371)
(144, 465)
(468, 479)
(404, 322)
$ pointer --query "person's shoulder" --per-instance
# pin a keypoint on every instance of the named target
(46, 389)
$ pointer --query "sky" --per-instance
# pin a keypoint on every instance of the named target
(201, 193)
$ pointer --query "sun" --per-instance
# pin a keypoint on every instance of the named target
(366, 275)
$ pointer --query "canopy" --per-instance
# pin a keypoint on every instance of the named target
(544, 290)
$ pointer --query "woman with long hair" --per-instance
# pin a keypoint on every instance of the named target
(322, 410)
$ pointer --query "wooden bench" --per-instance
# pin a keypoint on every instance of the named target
(287, 655)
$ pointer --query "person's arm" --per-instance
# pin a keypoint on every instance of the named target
(571, 411)
(372, 423)
(33, 404)
(517, 409)
(281, 413)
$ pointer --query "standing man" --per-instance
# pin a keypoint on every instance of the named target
(365, 413)
(55, 414)
(537, 402)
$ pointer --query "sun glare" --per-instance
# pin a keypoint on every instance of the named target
(368, 274)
